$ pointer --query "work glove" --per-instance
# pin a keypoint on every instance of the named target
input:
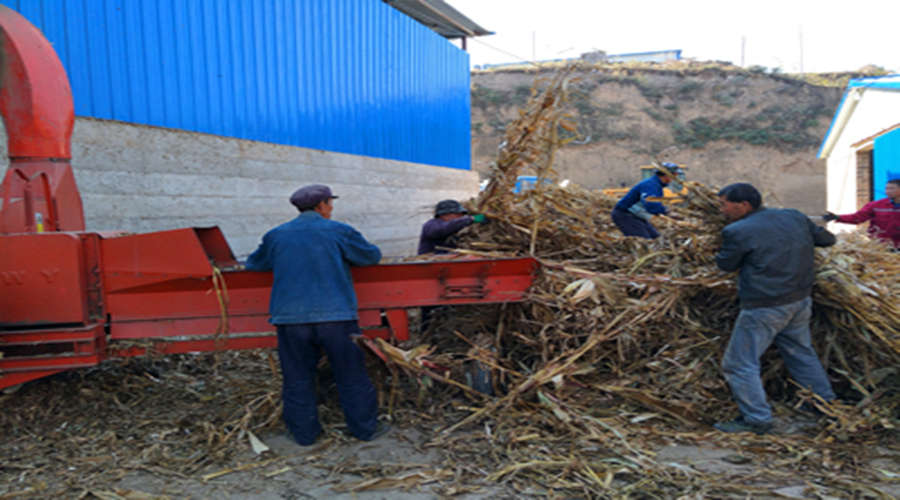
(639, 210)
(480, 218)
(828, 217)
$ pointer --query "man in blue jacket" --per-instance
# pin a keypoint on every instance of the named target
(774, 250)
(313, 306)
(633, 212)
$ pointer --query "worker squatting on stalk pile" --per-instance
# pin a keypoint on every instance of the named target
(313, 306)
(633, 212)
(883, 216)
(774, 250)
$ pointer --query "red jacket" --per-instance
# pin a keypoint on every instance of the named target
(884, 217)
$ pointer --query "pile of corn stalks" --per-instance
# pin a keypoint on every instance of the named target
(617, 351)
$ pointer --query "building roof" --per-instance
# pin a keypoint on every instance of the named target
(872, 137)
(676, 52)
(888, 82)
(440, 17)
(856, 88)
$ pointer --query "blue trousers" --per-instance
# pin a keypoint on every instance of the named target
(632, 225)
(754, 332)
(299, 350)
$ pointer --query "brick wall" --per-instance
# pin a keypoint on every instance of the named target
(863, 178)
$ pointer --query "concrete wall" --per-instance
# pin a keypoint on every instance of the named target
(140, 178)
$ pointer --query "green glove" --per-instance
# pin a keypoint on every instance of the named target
(479, 218)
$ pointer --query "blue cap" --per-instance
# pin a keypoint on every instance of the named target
(309, 196)
(673, 167)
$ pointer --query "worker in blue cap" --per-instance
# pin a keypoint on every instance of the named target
(439, 234)
(313, 307)
(633, 212)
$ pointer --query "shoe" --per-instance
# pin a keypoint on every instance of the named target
(290, 435)
(740, 425)
(380, 430)
(811, 408)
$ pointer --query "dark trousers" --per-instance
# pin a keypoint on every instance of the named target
(299, 349)
(632, 225)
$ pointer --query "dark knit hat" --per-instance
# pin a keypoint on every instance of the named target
(449, 207)
(309, 196)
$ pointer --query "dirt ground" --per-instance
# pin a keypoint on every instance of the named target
(293, 472)
(289, 471)
(399, 465)
(129, 429)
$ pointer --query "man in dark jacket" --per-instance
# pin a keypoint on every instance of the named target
(633, 212)
(882, 215)
(439, 233)
(313, 306)
(774, 250)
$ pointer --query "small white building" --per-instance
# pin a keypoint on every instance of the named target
(862, 147)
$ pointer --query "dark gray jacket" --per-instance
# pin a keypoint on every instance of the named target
(773, 248)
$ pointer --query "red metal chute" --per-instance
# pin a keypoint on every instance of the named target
(38, 192)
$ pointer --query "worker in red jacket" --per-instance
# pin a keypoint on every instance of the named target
(883, 216)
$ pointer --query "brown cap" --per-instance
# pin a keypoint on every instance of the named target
(309, 196)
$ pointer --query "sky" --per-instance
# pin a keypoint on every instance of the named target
(793, 35)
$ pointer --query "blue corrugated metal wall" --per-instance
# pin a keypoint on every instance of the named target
(353, 76)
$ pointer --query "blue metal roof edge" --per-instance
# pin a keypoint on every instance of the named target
(632, 54)
(876, 82)
(887, 82)
(833, 121)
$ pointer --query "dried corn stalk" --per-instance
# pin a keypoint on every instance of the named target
(616, 327)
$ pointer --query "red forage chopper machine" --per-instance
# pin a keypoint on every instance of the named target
(70, 298)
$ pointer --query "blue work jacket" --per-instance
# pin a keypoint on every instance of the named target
(651, 187)
(310, 258)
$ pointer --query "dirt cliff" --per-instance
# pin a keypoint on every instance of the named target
(726, 124)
